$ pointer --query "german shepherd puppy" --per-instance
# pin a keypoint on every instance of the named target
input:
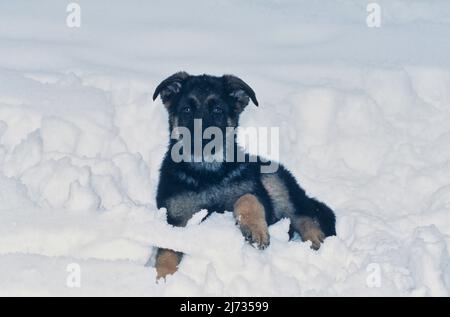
(257, 199)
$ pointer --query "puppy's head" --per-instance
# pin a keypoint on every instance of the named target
(217, 101)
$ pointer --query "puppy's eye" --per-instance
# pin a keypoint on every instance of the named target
(217, 110)
(186, 110)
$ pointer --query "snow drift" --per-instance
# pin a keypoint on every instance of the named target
(364, 115)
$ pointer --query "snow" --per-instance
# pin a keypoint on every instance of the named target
(363, 114)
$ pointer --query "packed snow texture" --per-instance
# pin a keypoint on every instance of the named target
(364, 115)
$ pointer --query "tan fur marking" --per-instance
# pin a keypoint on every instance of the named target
(279, 194)
(309, 231)
(167, 104)
(174, 121)
(250, 215)
(166, 263)
(194, 98)
(231, 123)
(210, 98)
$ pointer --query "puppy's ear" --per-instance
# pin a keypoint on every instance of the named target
(170, 87)
(239, 91)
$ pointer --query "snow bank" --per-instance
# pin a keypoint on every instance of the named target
(363, 113)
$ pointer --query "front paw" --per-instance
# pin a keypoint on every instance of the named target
(257, 237)
(250, 216)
